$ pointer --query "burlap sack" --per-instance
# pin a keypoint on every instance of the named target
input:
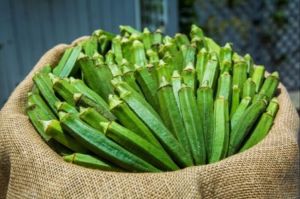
(30, 169)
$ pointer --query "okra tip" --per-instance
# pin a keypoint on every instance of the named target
(105, 126)
(175, 74)
(77, 97)
(114, 101)
(163, 82)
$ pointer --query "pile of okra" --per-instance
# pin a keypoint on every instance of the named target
(148, 102)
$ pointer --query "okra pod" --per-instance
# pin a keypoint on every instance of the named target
(269, 87)
(239, 74)
(130, 30)
(152, 56)
(44, 84)
(263, 126)
(189, 56)
(192, 124)
(35, 98)
(224, 86)
(235, 100)
(170, 113)
(90, 46)
(130, 120)
(196, 32)
(92, 117)
(211, 71)
(64, 89)
(65, 107)
(93, 75)
(157, 37)
(226, 58)
(169, 142)
(244, 124)
(59, 67)
(189, 76)
(139, 53)
(250, 64)
(138, 146)
(53, 129)
(205, 103)
(117, 49)
(147, 40)
(84, 101)
(70, 67)
(81, 87)
(202, 59)
(176, 85)
(258, 77)
(249, 88)
(181, 39)
(211, 45)
(241, 108)
(98, 143)
(36, 115)
(90, 161)
(220, 138)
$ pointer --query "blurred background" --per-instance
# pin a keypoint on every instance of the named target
(268, 30)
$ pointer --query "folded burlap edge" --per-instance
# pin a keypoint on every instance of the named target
(30, 169)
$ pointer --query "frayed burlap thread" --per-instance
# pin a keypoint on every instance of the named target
(29, 168)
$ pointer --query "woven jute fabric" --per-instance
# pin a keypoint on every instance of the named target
(29, 168)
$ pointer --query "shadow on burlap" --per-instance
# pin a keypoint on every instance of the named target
(29, 168)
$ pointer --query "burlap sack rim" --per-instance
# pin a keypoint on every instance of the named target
(285, 125)
(75, 42)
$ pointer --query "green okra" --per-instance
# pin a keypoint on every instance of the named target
(239, 74)
(205, 103)
(152, 56)
(46, 69)
(188, 76)
(129, 77)
(157, 37)
(202, 59)
(139, 54)
(146, 37)
(189, 56)
(53, 129)
(240, 109)
(148, 85)
(64, 89)
(249, 88)
(35, 98)
(165, 137)
(57, 70)
(90, 161)
(211, 45)
(263, 126)
(130, 30)
(244, 125)
(90, 46)
(196, 31)
(126, 45)
(70, 67)
(192, 124)
(92, 117)
(170, 113)
(226, 58)
(250, 64)
(224, 86)
(121, 85)
(101, 32)
(258, 77)
(198, 42)
(36, 114)
(181, 39)
(94, 74)
(130, 120)
(220, 138)
(81, 87)
(235, 99)
(98, 143)
(269, 87)
(176, 85)
(163, 69)
(138, 146)
(104, 43)
(211, 71)
(84, 101)
(65, 107)
(117, 49)
(44, 84)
